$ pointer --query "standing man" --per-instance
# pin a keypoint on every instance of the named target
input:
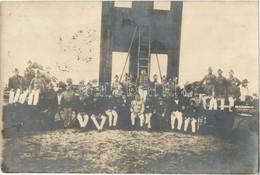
(125, 83)
(52, 105)
(143, 84)
(48, 77)
(29, 70)
(220, 89)
(137, 110)
(67, 103)
(209, 76)
(14, 83)
(160, 111)
(37, 86)
(155, 85)
(25, 85)
(233, 90)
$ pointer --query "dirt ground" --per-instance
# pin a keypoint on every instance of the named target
(117, 151)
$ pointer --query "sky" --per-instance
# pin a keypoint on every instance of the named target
(66, 37)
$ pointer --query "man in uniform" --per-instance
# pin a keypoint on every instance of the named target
(25, 84)
(244, 90)
(48, 77)
(97, 113)
(149, 111)
(178, 107)
(125, 83)
(220, 90)
(14, 87)
(143, 84)
(160, 111)
(137, 110)
(191, 116)
(67, 103)
(37, 86)
(29, 70)
(111, 111)
(209, 76)
(52, 105)
(155, 85)
(233, 90)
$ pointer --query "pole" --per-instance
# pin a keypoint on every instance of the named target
(159, 67)
(128, 53)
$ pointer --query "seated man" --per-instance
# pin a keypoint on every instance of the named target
(37, 86)
(24, 86)
(177, 109)
(82, 116)
(111, 112)
(14, 87)
(191, 116)
(137, 110)
(149, 111)
(209, 90)
(97, 113)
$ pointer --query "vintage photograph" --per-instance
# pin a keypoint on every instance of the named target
(130, 87)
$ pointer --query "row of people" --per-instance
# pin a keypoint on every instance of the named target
(179, 111)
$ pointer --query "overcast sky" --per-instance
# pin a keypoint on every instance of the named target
(66, 36)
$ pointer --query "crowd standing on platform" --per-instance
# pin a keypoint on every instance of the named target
(134, 102)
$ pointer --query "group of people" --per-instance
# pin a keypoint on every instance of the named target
(130, 102)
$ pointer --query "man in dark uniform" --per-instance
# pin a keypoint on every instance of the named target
(159, 111)
(191, 116)
(233, 90)
(48, 77)
(209, 76)
(221, 89)
(148, 111)
(154, 85)
(110, 110)
(51, 105)
(29, 70)
(97, 113)
(177, 106)
(125, 83)
(14, 83)
(123, 107)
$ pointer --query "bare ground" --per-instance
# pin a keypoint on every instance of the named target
(116, 151)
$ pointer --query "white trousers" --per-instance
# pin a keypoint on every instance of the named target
(141, 117)
(176, 115)
(213, 105)
(14, 96)
(83, 120)
(193, 122)
(23, 96)
(102, 123)
(34, 97)
(112, 117)
(148, 119)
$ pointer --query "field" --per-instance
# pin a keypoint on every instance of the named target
(117, 151)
